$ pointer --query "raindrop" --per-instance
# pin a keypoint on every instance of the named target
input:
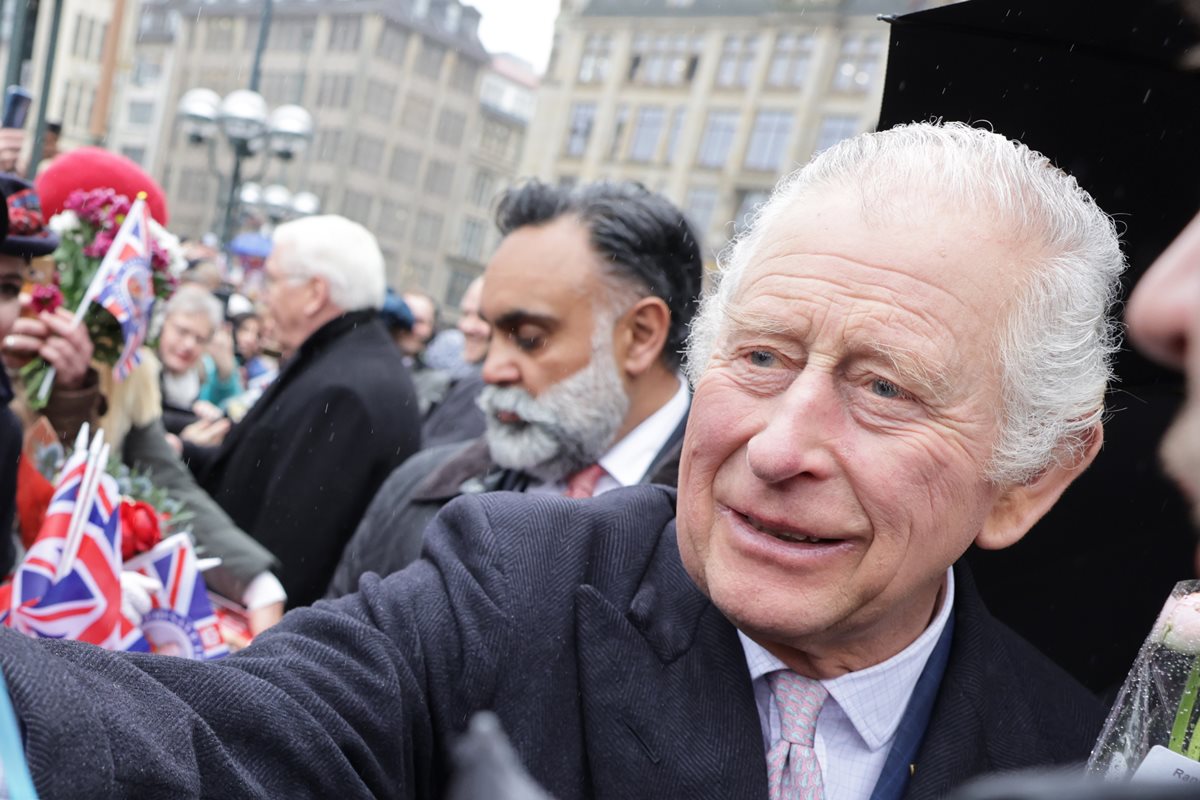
(1147, 97)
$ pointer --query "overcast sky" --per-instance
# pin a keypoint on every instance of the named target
(522, 27)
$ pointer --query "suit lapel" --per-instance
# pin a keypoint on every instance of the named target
(666, 696)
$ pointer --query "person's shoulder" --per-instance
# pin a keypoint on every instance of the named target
(549, 538)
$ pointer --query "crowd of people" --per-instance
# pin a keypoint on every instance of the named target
(681, 543)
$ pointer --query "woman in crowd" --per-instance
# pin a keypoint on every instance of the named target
(199, 372)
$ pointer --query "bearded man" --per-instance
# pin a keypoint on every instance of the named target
(590, 294)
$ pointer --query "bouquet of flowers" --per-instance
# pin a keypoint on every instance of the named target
(1153, 730)
(87, 228)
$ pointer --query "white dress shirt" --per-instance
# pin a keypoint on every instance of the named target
(627, 461)
(858, 721)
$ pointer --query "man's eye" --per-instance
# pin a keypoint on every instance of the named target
(761, 358)
(527, 340)
(887, 389)
(9, 291)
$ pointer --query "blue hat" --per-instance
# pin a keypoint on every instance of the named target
(25, 232)
(395, 312)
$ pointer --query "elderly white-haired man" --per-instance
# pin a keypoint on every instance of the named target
(299, 470)
(907, 353)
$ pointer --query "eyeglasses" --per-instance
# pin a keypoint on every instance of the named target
(186, 333)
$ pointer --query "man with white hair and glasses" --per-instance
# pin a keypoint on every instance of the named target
(299, 469)
(906, 353)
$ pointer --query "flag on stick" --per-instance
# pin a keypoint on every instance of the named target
(180, 621)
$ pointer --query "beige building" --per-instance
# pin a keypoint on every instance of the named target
(707, 101)
(403, 142)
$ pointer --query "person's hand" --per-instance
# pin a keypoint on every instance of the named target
(137, 591)
(206, 433)
(262, 618)
(11, 142)
(221, 350)
(206, 410)
(55, 337)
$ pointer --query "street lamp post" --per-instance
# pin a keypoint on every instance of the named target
(250, 128)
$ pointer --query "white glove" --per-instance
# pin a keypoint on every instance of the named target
(136, 591)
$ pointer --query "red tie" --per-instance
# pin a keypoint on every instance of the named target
(583, 483)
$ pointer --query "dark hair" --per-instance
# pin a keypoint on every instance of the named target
(643, 238)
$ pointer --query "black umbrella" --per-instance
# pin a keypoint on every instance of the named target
(1103, 88)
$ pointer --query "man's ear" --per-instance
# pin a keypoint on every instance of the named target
(317, 297)
(644, 332)
(1020, 506)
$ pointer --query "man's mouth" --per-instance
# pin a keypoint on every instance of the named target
(782, 534)
(508, 418)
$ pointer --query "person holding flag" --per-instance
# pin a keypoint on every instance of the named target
(131, 415)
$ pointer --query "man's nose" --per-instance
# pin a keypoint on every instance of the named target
(1166, 302)
(499, 367)
(799, 430)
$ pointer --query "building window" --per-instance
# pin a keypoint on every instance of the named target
(496, 138)
(250, 35)
(834, 128)
(279, 88)
(141, 112)
(483, 188)
(419, 273)
(345, 33)
(357, 206)
(135, 154)
(293, 35)
(470, 243)
(405, 165)
(381, 99)
(429, 59)
(393, 221)
(647, 130)
(327, 144)
(737, 61)
(593, 65)
(218, 34)
(663, 60)
(334, 91)
(82, 37)
(579, 131)
(457, 286)
(439, 178)
(450, 127)
(393, 43)
(718, 138)
(768, 141)
(416, 114)
(748, 204)
(463, 76)
(368, 154)
(676, 128)
(858, 63)
(428, 230)
(619, 123)
(790, 61)
(700, 205)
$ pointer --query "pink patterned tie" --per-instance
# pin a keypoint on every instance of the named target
(792, 769)
(583, 483)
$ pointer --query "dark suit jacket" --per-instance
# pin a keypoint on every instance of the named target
(573, 620)
(390, 534)
(298, 472)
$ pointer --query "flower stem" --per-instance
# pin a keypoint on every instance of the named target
(1183, 716)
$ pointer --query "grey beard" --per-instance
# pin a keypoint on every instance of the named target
(568, 427)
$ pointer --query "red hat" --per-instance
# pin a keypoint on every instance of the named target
(87, 168)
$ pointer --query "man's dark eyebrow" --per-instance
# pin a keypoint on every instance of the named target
(511, 319)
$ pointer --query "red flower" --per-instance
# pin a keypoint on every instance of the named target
(140, 530)
(45, 298)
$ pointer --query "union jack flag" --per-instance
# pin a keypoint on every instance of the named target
(124, 285)
(181, 621)
(84, 603)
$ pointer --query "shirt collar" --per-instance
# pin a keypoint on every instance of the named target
(874, 714)
(629, 460)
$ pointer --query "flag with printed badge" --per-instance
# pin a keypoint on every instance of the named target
(180, 621)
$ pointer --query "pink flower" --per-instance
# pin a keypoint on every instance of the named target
(45, 298)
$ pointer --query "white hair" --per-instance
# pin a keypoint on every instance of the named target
(1057, 343)
(342, 252)
(192, 298)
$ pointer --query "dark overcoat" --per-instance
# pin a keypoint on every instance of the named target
(574, 621)
(298, 471)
